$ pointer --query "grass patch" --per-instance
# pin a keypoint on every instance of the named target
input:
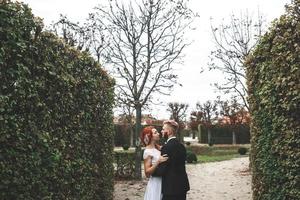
(216, 153)
(216, 158)
(216, 149)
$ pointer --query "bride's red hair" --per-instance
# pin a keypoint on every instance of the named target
(146, 135)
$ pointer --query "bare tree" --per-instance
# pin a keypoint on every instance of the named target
(88, 36)
(178, 113)
(144, 39)
(234, 40)
(209, 115)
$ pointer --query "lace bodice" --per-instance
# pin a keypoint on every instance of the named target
(154, 153)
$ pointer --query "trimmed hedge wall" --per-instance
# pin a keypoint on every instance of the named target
(122, 134)
(273, 74)
(222, 134)
(55, 115)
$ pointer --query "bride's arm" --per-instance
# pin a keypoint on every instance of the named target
(149, 168)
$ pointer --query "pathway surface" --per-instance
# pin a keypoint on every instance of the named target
(226, 180)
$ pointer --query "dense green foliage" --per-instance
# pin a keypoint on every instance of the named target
(55, 115)
(191, 157)
(242, 151)
(125, 146)
(273, 73)
(122, 134)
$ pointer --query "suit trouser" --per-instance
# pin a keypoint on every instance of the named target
(174, 197)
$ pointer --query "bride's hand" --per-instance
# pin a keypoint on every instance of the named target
(163, 158)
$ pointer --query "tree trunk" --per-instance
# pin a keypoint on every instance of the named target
(233, 137)
(179, 135)
(138, 150)
(132, 143)
(131, 136)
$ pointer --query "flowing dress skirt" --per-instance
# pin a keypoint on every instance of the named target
(153, 189)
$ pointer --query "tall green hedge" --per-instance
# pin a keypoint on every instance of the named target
(273, 74)
(55, 115)
(122, 134)
(222, 134)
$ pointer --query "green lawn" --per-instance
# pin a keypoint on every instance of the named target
(216, 158)
(217, 152)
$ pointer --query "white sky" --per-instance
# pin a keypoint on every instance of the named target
(196, 86)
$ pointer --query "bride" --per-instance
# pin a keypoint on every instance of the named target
(152, 158)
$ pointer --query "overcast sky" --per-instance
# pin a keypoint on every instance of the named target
(196, 86)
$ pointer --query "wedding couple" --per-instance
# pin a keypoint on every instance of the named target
(165, 166)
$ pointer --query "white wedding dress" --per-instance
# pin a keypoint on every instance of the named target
(153, 189)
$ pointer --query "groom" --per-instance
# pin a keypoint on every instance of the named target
(175, 183)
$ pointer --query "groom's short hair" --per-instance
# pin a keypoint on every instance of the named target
(172, 124)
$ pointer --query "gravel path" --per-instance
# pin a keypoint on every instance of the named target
(226, 180)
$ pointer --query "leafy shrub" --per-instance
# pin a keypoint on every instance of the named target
(125, 147)
(55, 115)
(191, 157)
(274, 95)
(242, 151)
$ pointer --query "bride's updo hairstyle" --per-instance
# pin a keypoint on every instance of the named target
(146, 135)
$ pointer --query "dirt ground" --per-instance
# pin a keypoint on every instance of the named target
(226, 180)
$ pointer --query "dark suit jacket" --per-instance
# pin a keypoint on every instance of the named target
(174, 177)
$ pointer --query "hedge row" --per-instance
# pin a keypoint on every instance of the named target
(122, 135)
(273, 74)
(55, 115)
(220, 134)
(223, 134)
